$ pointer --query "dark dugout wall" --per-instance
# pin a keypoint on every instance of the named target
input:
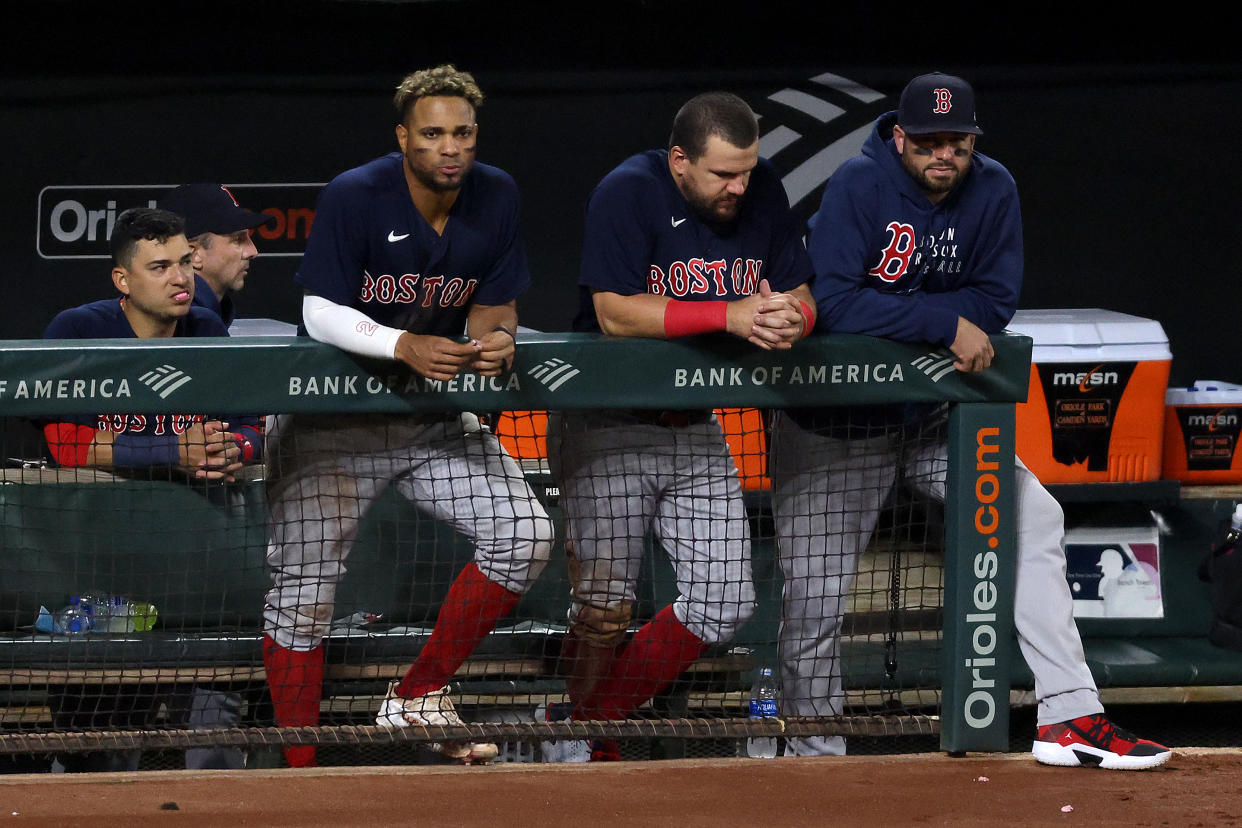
(1121, 143)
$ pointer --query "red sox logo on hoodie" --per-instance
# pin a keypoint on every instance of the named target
(907, 255)
(895, 257)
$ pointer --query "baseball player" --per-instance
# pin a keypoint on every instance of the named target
(920, 239)
(406, 253)
(152, 269)
(219, 232)
(695, 239)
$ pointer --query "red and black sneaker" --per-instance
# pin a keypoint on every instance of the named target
(1094, 741)
(605, 750)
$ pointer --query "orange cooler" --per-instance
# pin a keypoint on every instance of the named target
(1095, 409)
(1201, 426)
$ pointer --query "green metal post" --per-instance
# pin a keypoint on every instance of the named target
(980, 554)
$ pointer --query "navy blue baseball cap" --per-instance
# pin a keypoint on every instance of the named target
(937, 103)
(211, 208)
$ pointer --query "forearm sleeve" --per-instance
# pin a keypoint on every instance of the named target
(143, 450)
(347, 328)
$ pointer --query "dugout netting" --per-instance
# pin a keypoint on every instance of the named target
(199, 553)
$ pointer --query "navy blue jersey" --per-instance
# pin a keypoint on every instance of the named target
(890, 263)
(205, 297)
(106, 320)
(642, 236)
(370, 249)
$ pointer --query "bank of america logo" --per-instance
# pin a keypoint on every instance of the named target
(936, 364)
(554, 373)
(164, 380)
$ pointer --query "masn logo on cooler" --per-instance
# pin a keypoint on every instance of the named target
(1212, 421)
(1085, 380)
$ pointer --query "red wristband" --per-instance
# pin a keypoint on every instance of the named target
(808, 315)
(69, 443)
(683, 318)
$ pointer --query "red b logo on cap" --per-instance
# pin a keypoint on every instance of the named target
(944, 101)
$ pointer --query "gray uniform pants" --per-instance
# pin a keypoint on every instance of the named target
(330, 470)
(209, 709)
(826, 499)
(620, 479)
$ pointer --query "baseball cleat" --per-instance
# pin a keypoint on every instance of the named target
(563, 750)
(605, 750)
(1094, 741)
(435, 708)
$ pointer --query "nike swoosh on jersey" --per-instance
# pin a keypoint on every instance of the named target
(676, 222)
(393, 237)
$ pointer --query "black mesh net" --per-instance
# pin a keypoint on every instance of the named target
(548, 585)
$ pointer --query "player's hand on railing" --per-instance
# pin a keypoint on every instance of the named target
(436, 357)
(209, 451)
(771, 321)
(972, 347)
(497, 354)
(779, 320)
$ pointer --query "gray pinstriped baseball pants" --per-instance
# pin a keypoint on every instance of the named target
(826, 498)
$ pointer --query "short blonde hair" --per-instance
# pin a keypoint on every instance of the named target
(444, 80)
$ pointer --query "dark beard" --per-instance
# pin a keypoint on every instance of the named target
(707, 214)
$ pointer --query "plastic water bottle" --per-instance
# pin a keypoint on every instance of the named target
(74, 619)
(100, 610)
(763, 706)
(1234, 535)
(142, 616)
(119, 618)
(94, 605)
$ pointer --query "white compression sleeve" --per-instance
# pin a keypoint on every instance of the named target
(347, 328)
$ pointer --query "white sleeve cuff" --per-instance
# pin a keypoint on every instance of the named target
(348, 329)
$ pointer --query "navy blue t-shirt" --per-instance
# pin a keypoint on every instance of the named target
(105, 319)
(205, 297)
(642, 236)
(371, 250)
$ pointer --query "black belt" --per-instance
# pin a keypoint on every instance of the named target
(673, 417)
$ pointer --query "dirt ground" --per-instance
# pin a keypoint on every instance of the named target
(1198, 787)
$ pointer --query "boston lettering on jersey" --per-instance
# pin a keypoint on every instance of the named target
(156, 424)
(413, 289)
(697, 278)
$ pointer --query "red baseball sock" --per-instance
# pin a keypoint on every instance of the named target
(659, 652)
(469, 612)
(295, 681)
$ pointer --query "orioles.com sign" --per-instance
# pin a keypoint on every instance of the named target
(980, 706)
(75, 222)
